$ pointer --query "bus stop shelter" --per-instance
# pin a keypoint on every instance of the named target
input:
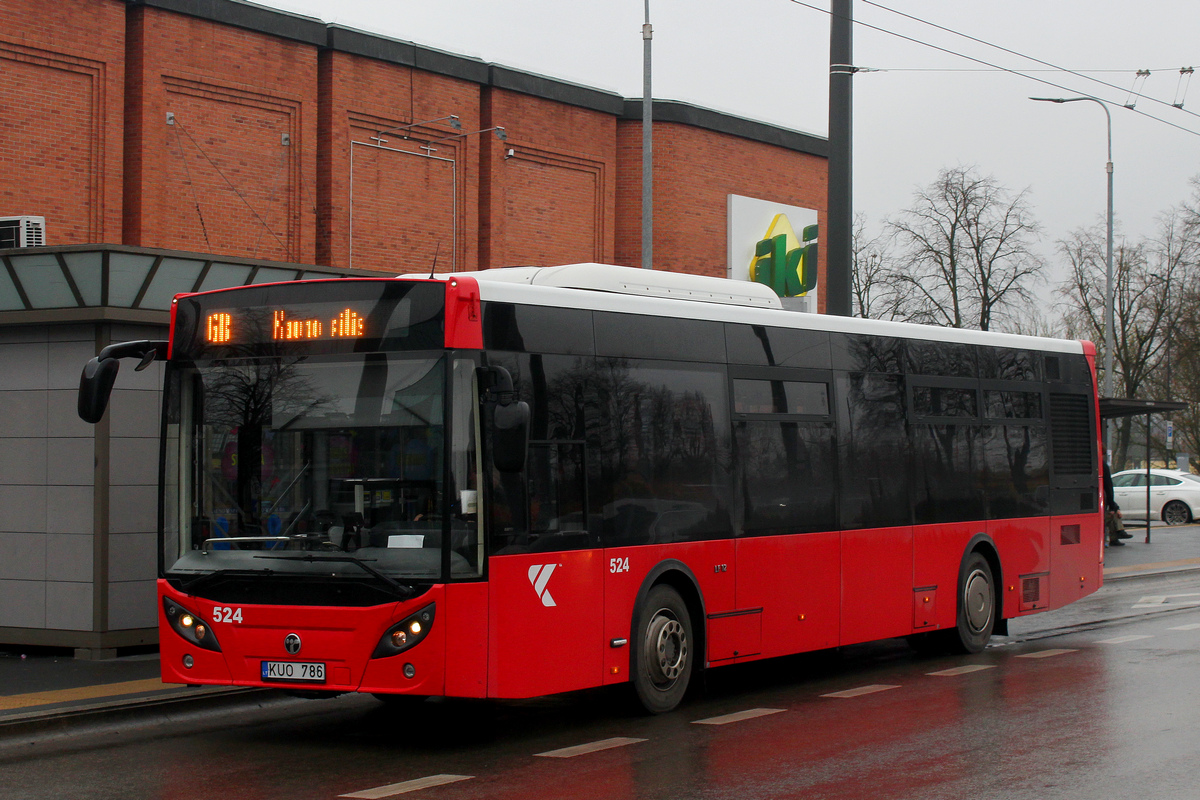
(1116, 407)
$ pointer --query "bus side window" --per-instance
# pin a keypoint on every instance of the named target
(557, 495)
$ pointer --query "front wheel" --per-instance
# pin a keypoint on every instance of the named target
(663, 654)
(1176, 512)
(976, 605)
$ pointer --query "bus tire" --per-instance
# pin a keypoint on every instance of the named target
(663, 653)
(976, 605)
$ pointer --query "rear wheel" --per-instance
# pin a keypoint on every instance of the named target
(1176, 512)
(976, 605)
(663, 655)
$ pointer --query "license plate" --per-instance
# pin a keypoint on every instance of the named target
(308, 671)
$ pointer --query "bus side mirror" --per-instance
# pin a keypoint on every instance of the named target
(100, 373)
(95, 386)
(509, 429)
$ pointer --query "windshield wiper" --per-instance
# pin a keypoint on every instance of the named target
(209, 577)
(400, 588)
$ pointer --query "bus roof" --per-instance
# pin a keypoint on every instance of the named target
(605, 287)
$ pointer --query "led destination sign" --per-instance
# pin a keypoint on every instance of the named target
(310, 318)
(220, 326)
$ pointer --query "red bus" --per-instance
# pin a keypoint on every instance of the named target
(528, 481)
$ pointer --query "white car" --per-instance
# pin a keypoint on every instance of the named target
(1174, 496)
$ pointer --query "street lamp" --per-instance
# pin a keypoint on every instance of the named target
(1108, 287)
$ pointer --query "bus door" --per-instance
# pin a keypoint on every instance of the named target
(546, 577)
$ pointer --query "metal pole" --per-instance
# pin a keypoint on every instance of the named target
(1108, 296)
(647, 150)
(1108, 275)
(1148, 476)
(839, 221)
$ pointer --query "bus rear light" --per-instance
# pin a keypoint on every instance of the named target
(189, 626)
(405, 633)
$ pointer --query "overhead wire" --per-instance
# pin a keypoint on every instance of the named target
(1141, 73)
(998, 67)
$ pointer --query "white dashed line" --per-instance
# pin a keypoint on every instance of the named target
(1123, 639)
(393, 789)
(1159, 600)
(1045, 653)
(962, 670)
(738, 716)
(861, 690)
(1195, 626)
(590, 747)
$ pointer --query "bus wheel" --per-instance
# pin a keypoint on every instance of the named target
(976, 605)
(662, 658)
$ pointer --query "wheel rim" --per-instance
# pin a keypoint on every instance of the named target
(666, 649)
(977, 601)
(1175, 514)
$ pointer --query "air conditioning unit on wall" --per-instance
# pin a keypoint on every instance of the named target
(23, 231)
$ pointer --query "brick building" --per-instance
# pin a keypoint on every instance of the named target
(176, 145)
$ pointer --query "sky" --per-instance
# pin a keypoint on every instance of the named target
(768, 60)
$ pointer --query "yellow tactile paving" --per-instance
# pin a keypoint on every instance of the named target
(1183, 562)
(83, 693)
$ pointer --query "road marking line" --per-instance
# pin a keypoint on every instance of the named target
(1192, 627)
(1155, 600)
(84, 693)
(738, 716)
(1045, 653)
(1133, 637)
(861, 690)
(963, 670)
(407, 786)
(590, 747)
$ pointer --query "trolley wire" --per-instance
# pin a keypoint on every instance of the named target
(994, 66)
(1140, 74)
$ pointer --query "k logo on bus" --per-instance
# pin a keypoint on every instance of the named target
(539, 576)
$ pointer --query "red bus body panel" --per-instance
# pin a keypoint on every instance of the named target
(877, 583)
(795, 580)
(545, 631)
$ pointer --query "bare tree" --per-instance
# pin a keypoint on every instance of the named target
(968, 258)
(875, 291)
(1149, 279)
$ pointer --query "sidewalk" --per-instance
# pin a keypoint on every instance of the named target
(1170, 550)
(44, 690)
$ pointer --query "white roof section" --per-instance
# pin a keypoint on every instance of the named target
(671, 294)
(642, 282)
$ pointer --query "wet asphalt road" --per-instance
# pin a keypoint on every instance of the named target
(1098, 700)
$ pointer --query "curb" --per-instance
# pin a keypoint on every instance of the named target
(55, 722)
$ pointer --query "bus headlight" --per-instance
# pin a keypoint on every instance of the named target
(189, 626)
(405, 633)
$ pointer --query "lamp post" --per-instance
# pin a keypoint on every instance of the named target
(1108, 283)
(647, 149)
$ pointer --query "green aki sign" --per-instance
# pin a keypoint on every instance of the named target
(784, 262)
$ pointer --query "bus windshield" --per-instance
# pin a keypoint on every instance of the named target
(322, 466)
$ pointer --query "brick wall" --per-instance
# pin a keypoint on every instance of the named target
(61, 77)
(404, 202)
(553, 201)
(221, 180)
(86, 87)
(694, 170)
